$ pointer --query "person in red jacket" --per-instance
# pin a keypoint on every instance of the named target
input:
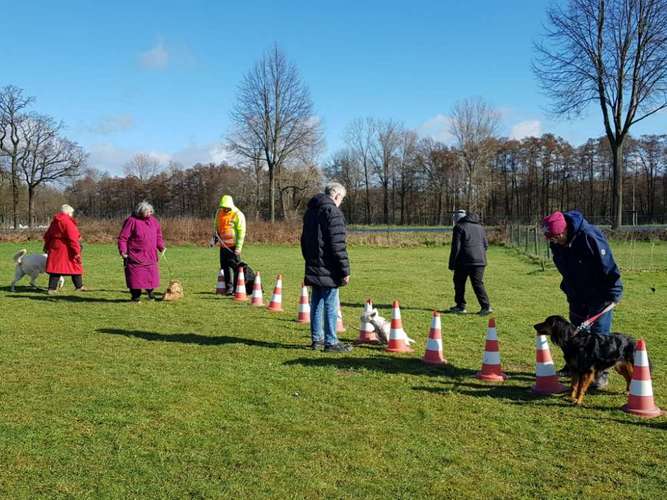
(61, 244)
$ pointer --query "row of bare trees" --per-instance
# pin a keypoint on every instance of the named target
(33, 150)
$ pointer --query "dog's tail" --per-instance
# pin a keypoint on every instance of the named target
(18, 257)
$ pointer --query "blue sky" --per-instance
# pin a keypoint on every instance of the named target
(161, 77)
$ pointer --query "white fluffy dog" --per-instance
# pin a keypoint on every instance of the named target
(31, 265)
(381, 326)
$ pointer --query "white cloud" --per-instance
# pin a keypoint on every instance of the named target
(156, 57)
(437, 128)
(109, 158)
(111, 124)
(529, 128)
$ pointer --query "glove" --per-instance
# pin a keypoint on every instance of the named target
(237, 252)
(212, 242)
(77, 259)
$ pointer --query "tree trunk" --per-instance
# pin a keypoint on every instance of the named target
(31, 205)
(15, 194)
(272, 193)
(617, 184)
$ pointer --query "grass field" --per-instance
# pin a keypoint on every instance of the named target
(208, 398)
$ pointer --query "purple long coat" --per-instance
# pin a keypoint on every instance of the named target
(141, 239)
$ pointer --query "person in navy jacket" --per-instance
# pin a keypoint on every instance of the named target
(591, 278)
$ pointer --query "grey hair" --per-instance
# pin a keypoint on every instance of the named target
(143, 208)
(67, 209)
(334, 188)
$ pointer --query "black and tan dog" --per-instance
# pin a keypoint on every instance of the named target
(587, 353)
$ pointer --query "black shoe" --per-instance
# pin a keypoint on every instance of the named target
(317, 345)
(339, 347)
(564, 372)
(486, 311)
(457, 310)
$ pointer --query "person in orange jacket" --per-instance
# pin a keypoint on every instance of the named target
(229, 230)
(63, 249)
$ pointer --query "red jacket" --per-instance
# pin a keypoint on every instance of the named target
(61, 243)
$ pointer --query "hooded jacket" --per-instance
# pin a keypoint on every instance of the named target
(61, 243)
(229, 227)
(323, 243)
(469, 243)
(590, 274)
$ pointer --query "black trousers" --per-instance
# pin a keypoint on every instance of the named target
(53, 280)
(476, 274)
(229, 263)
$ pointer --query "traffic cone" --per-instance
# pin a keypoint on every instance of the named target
(257, 298)
(340, 327)
(397, 336)
(303, 313)
(491, 370)
(546, 380)
(220, 285)
(240, 292)
(433, 355)
(640, 398)
(276, 304)
(366, 330)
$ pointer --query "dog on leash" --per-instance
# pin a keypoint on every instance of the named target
(174, 291)
(32, 265)
(381, 326)
(588, 353)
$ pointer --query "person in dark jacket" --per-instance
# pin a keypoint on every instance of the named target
(591, 278)
(467, 259)
(327, 264)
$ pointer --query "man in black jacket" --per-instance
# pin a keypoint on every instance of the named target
(468, 259)
(327, 264)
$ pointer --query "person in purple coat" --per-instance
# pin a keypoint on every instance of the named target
(139, 242)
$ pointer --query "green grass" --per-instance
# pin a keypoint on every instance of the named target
(209, 398)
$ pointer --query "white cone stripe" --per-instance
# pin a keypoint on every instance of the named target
(491, 334)
(541, 343)
(545, 369)
(641, 388)
(434, 345)
(435, 324)
(641, 358)
(491, 358)
(396, 313)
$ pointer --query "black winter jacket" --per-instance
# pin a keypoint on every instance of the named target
(469, 243)
(323, 243)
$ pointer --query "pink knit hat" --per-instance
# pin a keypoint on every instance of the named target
(554, 224)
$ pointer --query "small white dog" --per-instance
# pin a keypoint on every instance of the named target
(381, 326)
(31, 265)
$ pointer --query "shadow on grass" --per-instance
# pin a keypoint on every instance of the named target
(659, 424)
(195, 338)
(68, 298)
(386, 364)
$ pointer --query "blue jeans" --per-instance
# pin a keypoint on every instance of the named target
(323, 302)
(579, 314)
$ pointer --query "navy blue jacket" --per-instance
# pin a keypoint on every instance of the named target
(590, 274)
(323, 243)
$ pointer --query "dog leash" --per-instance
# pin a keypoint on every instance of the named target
(587, 324)
(164, 258)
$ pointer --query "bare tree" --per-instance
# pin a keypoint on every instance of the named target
(473, 123)
(142, 166)
(13, 105)
(274, 113)
(383, 156)
(359, 137)
(345, 167)
(47, 157)
(613, 52)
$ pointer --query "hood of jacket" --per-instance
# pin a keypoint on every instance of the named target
(320, 200)
(227, 202)
(472, 218)
(575, 222)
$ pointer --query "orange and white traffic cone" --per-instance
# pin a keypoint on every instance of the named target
(240, 292)
(303, 313)
(491, 370)
(433, 355)
(257, 298)
(276, 304)
(220, 285)
(366, 331)
(640, 398)
(397, 337)
(340, 327)
(546, 380)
